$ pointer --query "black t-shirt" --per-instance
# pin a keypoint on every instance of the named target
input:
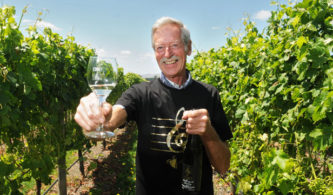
(154, 107)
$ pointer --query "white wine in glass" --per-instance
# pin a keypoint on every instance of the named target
(102, 79)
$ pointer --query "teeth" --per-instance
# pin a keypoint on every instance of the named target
(170, 62)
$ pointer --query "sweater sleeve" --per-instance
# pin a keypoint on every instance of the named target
(129, 100)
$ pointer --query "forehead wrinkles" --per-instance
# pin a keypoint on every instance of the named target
(167, 33)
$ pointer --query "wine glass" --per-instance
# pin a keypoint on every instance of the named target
(102, 79)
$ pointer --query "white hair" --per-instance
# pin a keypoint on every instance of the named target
(185, 33)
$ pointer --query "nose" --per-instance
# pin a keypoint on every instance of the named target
(168, 52)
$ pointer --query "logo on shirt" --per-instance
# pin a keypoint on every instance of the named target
(169, 135)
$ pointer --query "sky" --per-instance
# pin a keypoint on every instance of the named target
(122, 28)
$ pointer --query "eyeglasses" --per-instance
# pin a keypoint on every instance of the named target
(173, 46)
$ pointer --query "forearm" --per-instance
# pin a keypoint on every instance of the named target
(217, 151)
(118, 118)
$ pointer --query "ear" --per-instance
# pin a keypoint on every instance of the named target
(189, 48)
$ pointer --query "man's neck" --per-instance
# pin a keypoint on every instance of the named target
(179, 80)
(182, 81)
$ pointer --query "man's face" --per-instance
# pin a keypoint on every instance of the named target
(170, 50)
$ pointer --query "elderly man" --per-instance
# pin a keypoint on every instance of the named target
(170, 112)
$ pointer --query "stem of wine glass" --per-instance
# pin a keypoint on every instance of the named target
(101, 126)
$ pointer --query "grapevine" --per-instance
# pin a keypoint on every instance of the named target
(276, 88)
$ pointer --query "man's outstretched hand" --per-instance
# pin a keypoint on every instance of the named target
(89, 114)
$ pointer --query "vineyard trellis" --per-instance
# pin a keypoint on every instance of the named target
(42, 79)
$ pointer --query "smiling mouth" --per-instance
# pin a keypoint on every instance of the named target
(170, 61)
